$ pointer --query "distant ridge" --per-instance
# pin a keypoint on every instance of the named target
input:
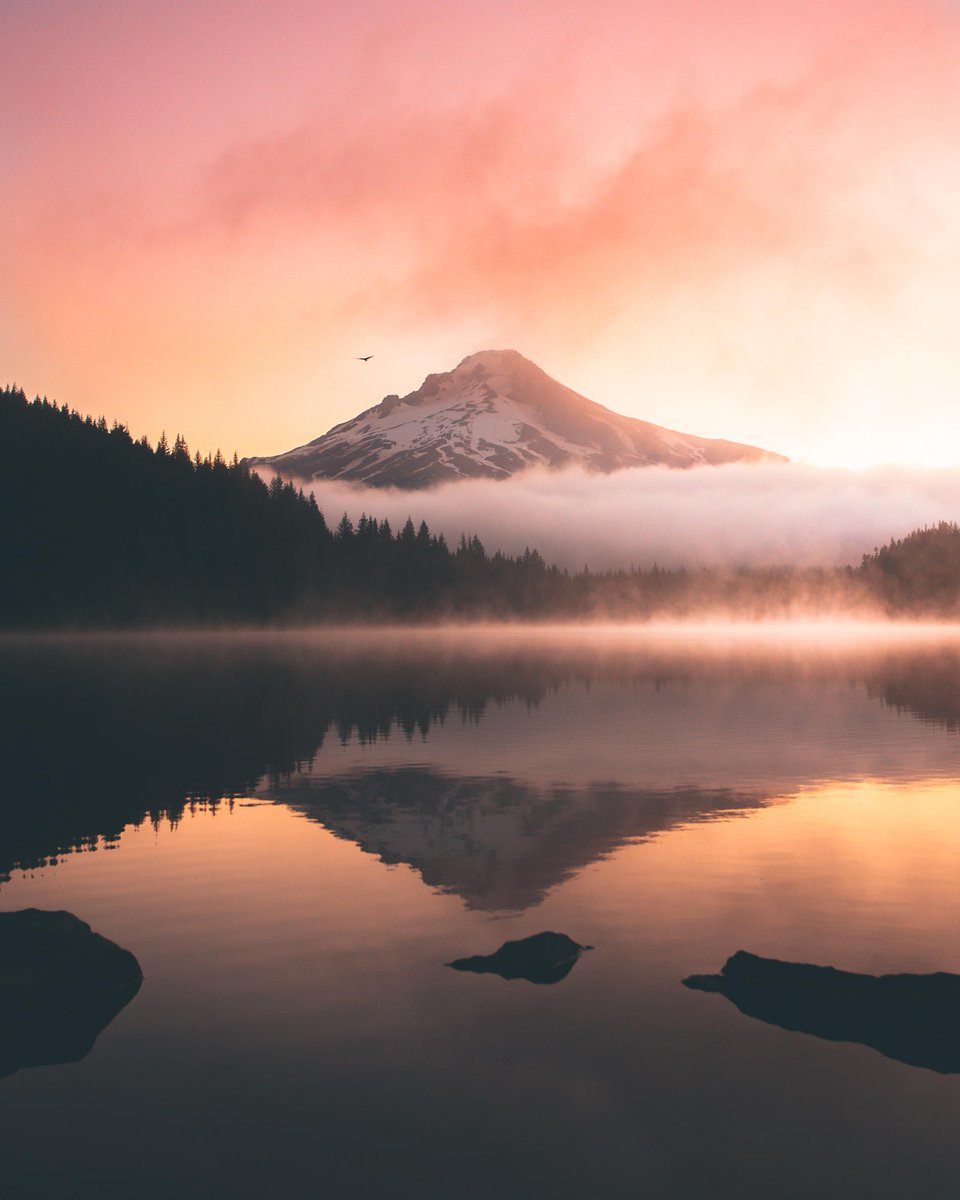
(494, 415)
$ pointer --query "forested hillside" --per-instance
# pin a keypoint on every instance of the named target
(98, 529)
(918, 574)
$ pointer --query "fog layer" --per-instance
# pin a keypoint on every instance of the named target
(709, 516)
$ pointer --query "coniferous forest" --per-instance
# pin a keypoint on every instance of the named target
(98, 529)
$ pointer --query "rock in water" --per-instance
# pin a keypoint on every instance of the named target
(61, 984)
(542, 958)
(912, 1018)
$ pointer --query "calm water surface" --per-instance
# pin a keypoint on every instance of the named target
(294, 833)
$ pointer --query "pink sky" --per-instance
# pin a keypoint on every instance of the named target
(737, 219)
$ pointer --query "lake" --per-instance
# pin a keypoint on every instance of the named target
(294, 833)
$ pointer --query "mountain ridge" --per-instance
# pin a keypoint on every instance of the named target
(494, 415)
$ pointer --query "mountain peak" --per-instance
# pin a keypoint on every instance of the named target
(496, 361)
(495, 414)
(500, 369)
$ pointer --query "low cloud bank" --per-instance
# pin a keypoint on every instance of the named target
(728, 516)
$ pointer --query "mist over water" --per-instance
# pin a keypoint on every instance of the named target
(729, 516)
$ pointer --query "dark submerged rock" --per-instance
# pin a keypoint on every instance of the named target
(541, 958)
(61, 984)
(912, 1018)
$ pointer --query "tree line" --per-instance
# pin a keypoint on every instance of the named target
(98, 528)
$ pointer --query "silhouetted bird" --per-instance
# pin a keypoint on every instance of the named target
(364, 357)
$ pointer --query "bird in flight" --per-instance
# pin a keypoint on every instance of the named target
(364, 357)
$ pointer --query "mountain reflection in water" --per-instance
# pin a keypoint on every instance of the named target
(497, 842)
(362, 732)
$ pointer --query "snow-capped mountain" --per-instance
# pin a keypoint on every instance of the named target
(493, 415)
